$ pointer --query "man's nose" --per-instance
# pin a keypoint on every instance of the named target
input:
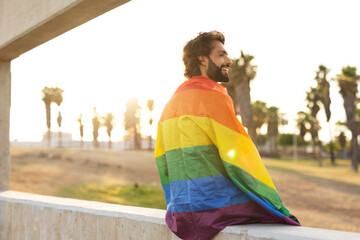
(228, 61)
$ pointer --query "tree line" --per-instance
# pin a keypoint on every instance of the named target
(131, 119)
(255, 114)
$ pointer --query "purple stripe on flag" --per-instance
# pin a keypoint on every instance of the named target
(206, 224)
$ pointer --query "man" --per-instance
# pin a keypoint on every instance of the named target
(210, 170)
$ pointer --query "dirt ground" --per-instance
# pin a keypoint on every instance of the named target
(316, 202)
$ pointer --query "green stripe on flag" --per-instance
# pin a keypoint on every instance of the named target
(246, 183)
(162, 168)
(190, 163)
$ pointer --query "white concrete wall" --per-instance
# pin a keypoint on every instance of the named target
(25, 216)
(18, 17)
(25, 24)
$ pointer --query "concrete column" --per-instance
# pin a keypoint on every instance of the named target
(5, 80)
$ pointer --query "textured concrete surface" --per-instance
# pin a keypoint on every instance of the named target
(31, 216)
(25, 24)
(5, 80)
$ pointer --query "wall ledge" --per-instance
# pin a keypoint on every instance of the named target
(37, 216)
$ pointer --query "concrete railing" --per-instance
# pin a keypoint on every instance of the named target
(25, 216)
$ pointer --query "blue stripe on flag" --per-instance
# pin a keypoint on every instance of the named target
(265, 204)
(202, 194)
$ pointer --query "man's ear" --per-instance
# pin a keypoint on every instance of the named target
(202, 60)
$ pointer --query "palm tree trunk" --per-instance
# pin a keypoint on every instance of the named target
(319, 155)
(81, 135)
(350, 109)
(313, 148)
(344, 152)
(48, 122)
(232, 93)
(332, 154)
(276, 150)
(243, 90)
(150, 142)
(136, 139)
(60, 142)
(273, 146)
(252, 134)
(48, 137)
(95, 142)
(355, 150)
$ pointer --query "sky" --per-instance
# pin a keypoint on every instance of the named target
(135, 50)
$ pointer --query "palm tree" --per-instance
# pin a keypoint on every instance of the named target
(132, 121)
(96, 125)
(314, 132)
(313, 99)
(273, 129)
(230, 86)
(81, 131)
(109, 124)
(259, 111)
(51, 95)
(324, 95)
(47, 98)
(347, 81)
(59, 120)
(150, 107)
(324, 89)
(241, 73)
(302, 121)
(58, 98)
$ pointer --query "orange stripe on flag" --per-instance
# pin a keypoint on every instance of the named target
(204, 103)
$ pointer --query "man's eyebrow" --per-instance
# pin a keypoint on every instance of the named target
(222, 51)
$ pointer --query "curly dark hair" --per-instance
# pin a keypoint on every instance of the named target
(199, 46)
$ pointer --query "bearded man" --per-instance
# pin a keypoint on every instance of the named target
(210, 170)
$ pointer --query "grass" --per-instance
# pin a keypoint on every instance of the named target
(142, 196)
(309, 168)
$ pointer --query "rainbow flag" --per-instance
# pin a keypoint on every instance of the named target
(210, 170)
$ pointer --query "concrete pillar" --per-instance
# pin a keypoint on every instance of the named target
(5, 80)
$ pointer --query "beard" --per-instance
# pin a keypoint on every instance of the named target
(215, 73)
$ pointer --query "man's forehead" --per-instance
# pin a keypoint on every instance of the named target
(218, 46)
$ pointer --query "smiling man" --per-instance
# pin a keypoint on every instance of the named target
(210, 170)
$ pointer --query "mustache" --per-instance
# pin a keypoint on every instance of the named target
(225, 65)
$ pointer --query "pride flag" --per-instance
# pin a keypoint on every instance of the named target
(210, 170)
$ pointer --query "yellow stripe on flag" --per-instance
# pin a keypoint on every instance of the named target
(234, 148)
